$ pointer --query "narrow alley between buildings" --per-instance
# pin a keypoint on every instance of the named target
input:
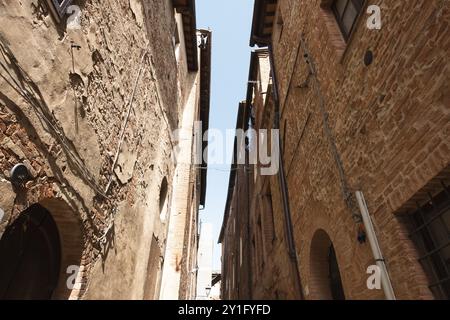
(338, 186)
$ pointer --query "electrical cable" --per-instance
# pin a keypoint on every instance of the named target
(346, 193)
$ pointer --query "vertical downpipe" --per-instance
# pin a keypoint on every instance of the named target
(249, 240)
(376, 250)
(282, 177)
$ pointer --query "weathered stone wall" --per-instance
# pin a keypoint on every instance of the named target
(190, 242)
(237, 237)
(176, 273)
(63, 117)
(268, 227)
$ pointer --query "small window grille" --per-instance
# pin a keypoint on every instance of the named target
(431, 233)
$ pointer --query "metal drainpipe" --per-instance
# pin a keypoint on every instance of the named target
(282, 177)
(249, 246)
(376, 250)
(237, 267)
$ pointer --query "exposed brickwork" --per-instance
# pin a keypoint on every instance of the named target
(62, 110)
(390, 125)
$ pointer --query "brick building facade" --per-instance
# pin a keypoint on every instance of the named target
(87, 171)
(359, 109)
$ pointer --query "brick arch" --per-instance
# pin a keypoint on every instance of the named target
(72, 247)
(319, 278)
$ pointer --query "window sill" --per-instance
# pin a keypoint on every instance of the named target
(335, 37)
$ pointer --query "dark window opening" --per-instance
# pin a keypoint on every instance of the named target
(346, 13)
(430, 225)
(163, 199)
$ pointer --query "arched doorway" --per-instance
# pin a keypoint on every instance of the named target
(325, 278)
(30, 256)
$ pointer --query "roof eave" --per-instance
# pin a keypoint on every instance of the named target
(187, 10)
(258, 37)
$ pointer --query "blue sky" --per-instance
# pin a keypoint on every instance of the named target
(230, 23)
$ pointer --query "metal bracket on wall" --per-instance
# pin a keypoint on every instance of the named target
(78, 47)
(346, 192)
(58, 8)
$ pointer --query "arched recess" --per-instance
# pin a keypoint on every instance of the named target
(36, 251)
(325, 279)
(72, 246)
(164, 199)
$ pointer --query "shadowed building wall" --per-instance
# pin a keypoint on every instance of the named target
(359, 109)
(90, 112)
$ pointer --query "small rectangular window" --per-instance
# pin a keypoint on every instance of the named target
(346, 13)
(430, 226)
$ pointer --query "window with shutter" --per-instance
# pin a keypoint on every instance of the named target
(430, 230)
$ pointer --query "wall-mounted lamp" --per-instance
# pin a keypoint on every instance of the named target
(20, 174)
(208, 291)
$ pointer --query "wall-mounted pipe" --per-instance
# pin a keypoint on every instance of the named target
(376, 250)
(281, 172)
(282, 176)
